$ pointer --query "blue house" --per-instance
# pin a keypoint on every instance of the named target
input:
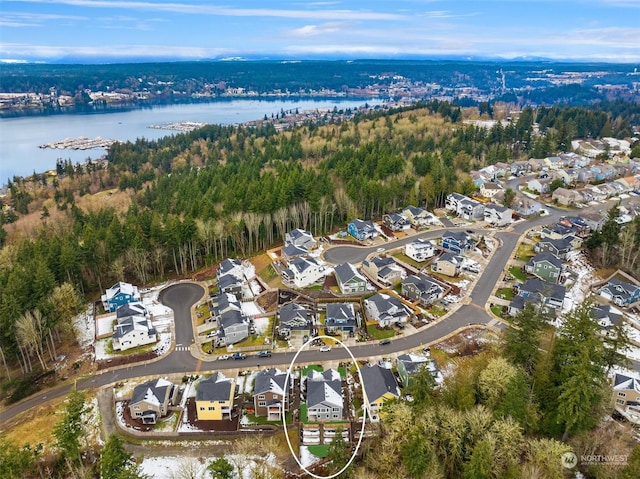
(362, 230)
(119, 294)
(340, 317)
(620, 292)
(457, 242)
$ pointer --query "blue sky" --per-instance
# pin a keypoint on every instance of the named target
(121, 30)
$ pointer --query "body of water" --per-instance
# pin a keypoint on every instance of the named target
(21, 137)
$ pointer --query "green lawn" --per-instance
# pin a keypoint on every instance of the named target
(381, 333)
(303, 414)
(517, 273)
(403, 257)
(525, 252)
(263, 420)
(497, 310)
(437, 311)
(315, 367)
(505, 293)
(319, 451)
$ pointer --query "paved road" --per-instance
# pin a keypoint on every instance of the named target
(181, 297)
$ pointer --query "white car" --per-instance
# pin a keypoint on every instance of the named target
(224, 357)
(380, 250)
(325, 349)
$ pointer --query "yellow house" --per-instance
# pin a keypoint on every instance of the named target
(214, 398)
(380, 386)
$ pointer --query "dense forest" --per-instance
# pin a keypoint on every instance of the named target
(169, 207)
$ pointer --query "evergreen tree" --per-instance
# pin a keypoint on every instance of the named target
(339, 454)
(70, 428)
(220, 469)
(522, 340)
(116, 463)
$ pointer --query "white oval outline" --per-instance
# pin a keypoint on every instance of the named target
(364, 416)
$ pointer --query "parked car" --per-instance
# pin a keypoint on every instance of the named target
(239, 356)
(385, 341)
(264, 354)
(325, 349)
(224, 357)
(399, 325)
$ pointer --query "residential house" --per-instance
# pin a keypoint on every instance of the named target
(471, 209)
(620, 292)
(558, 247)
(594, 220)
(349, 279)
(396, 221)
(525, 206)
(585, 175)
(300, 238)
(420, 249)
(423, 289)
(605, 317)
(553, 162)
(133, 331)
(520, 168)
(132, 309)
(558, 231)
(324, 396)
(502, 169)
(569, 176)
(384, 270)
(576, 222)
(340, 317)
(552, 294)
(269, 395)
(221, 303)
(386, 309)
(545, 266)
(457, 242)
(410, 364)
(230, 266)
(518, 303)
(214, 397)
(536, 164)
(566, 197)
(488, 190)
(419, 217)
(295, 320)
(151, 400)
(231, 284)
(233, 327)
(626, 396)
(540, 186)
(380, 386)
(362, 230)
(230, 276)
(303, 272)
(290, 252)
(448, 264)
(453, 201)
(497, 215)
(119, 294)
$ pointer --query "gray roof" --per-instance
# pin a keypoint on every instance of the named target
(230, 318)
(378, 382)
(153, 391)
(459, 236)
(621, 288)
(292, 250)
(549, 257)
(388, 306)
(340, 311)
(227, 265)
(294, 315)
(423, 283)
(345, 272)
(363, 225)
(270, 380)
(519, 302)
(131, 323)
(228, 281)
(214, 388)
(324, 388)
(548, 290)
(450, 257)
(131, 309)
(560, 244)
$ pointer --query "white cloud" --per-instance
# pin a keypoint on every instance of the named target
(197, 9)
(109, 51)
(313, 30)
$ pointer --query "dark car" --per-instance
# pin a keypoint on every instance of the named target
(385, 341)
(238, 356)
(399, 325)
(264, 354)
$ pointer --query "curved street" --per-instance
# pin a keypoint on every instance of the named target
(180, 297)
